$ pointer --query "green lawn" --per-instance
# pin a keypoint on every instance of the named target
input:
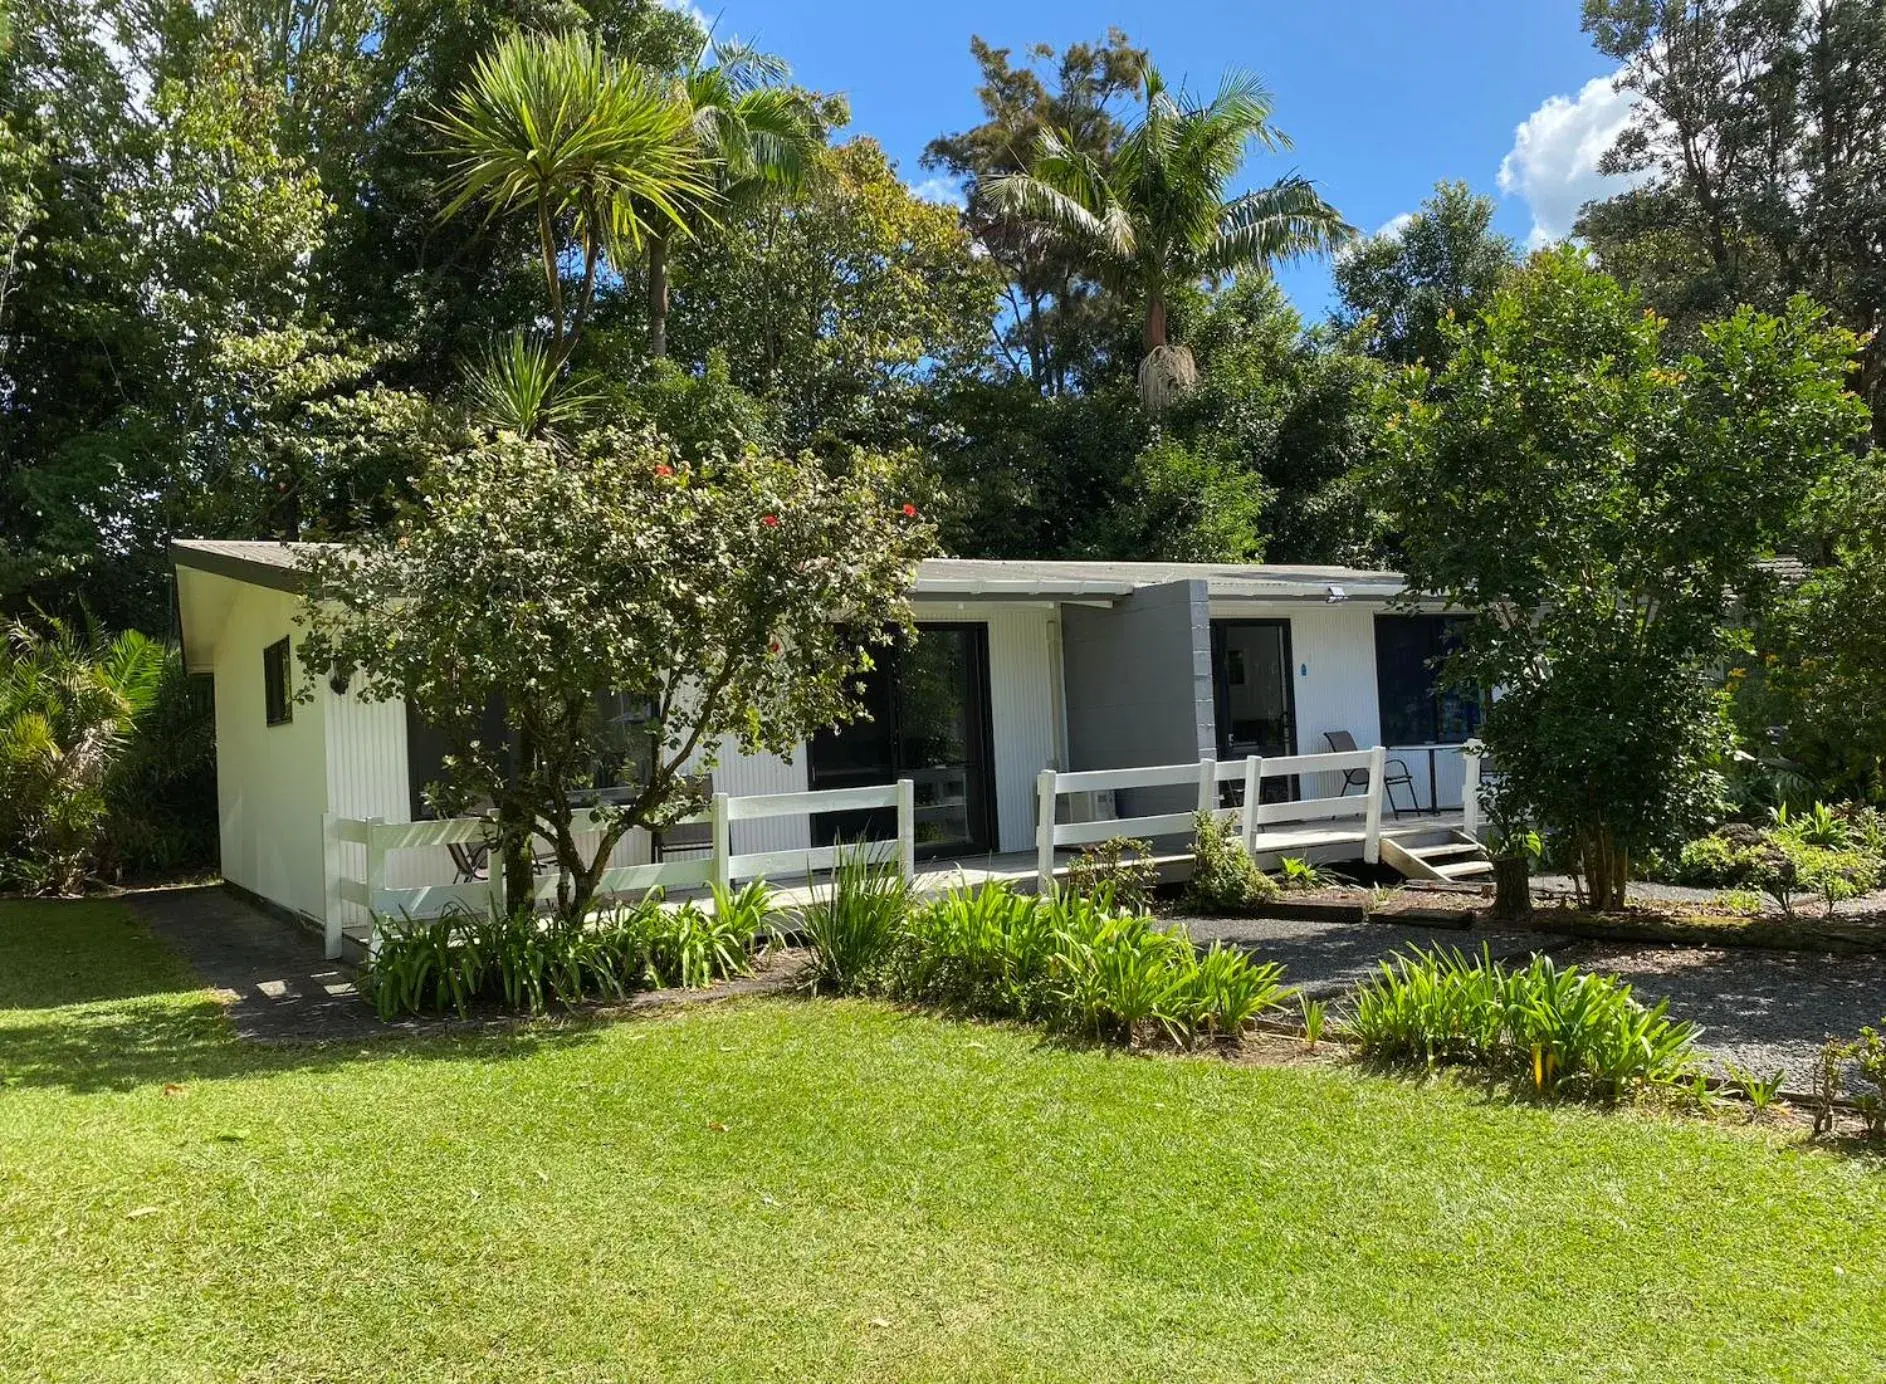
(797, 1189)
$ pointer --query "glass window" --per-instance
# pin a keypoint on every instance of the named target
(1410, 651)
(279, 705)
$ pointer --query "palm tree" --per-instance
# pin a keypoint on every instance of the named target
(590, 147)
(757, 135)
(69, 699)
(1155, 216)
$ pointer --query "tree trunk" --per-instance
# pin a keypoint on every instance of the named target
(1153, 334)
(516, 828)
(1607, 869)
(1512, 889)
(657, 296)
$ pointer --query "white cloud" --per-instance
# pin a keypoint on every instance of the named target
(1553, 163)
(945, 190)
(692, 11)
(1394, 226)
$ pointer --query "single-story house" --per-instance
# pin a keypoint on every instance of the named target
(1019, 666)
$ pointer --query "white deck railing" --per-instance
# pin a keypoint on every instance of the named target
(1207, 775)
(369, 891)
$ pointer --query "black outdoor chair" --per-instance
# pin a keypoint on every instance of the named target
(690, 838)
(1394, 773)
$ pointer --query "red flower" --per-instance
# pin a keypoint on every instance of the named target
(773, 647)
(664, 470)
(770, 520)
(910, 511)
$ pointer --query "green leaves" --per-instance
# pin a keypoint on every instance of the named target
(1601, 509)
(552, 126)
(634, 614)
(69, 701)
(1557, 1029)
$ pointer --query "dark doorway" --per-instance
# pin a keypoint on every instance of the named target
(1253, 694)
(928, 700)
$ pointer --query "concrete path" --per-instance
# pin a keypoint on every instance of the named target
(270, 974)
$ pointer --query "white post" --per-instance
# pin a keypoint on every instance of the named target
(1253, 791)
(1372, 826)
(907, 828)
(494, 880)
(1046, 796)
(331, 882)
(1470, 788)
(1208, 787)
(723, 842)
(376, 880)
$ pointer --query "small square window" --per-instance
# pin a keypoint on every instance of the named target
(275, 680)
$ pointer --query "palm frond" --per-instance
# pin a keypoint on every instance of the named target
(1287, 220)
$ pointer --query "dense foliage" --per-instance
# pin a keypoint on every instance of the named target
(626, 612)
(1559, 1030)
(1760, 132)
(1602, 508)
(1069, 959)
(525, 963)
(70, 699)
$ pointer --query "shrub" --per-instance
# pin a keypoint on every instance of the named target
(1075, 961)
(1866, 1056)
(1224, 879)
(853, 925)
(1564, 1029)
(1119, 867)
(69, 702)
(1716, 862)
(689, 947)
(1298, 875)
(161, 815)
(525, 962)
(988, 949)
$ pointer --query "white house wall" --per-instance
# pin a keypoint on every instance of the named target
(271, 781)
(1333, 648)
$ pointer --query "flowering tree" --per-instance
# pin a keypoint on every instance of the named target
(627, 612)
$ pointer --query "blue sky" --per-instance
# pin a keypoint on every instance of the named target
(1382, 97)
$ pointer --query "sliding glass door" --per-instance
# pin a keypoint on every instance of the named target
(1253, 695)
(929, 707)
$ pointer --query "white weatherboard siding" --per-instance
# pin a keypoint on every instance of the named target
(271, 781)
(1021, 705)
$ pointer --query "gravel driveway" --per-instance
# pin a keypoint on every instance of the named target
(1762, 1010)
(1326, 959)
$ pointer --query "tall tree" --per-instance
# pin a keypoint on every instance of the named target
(756, 136)
(838, 304)
(1159, 215)
(1760, 130)
(1050, 332)
(1399, 287)
(1600, 509)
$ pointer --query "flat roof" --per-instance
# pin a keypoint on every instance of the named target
(278, 565)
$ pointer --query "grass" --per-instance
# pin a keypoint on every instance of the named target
(837, 1189)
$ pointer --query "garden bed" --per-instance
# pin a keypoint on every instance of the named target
(1697, 925)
